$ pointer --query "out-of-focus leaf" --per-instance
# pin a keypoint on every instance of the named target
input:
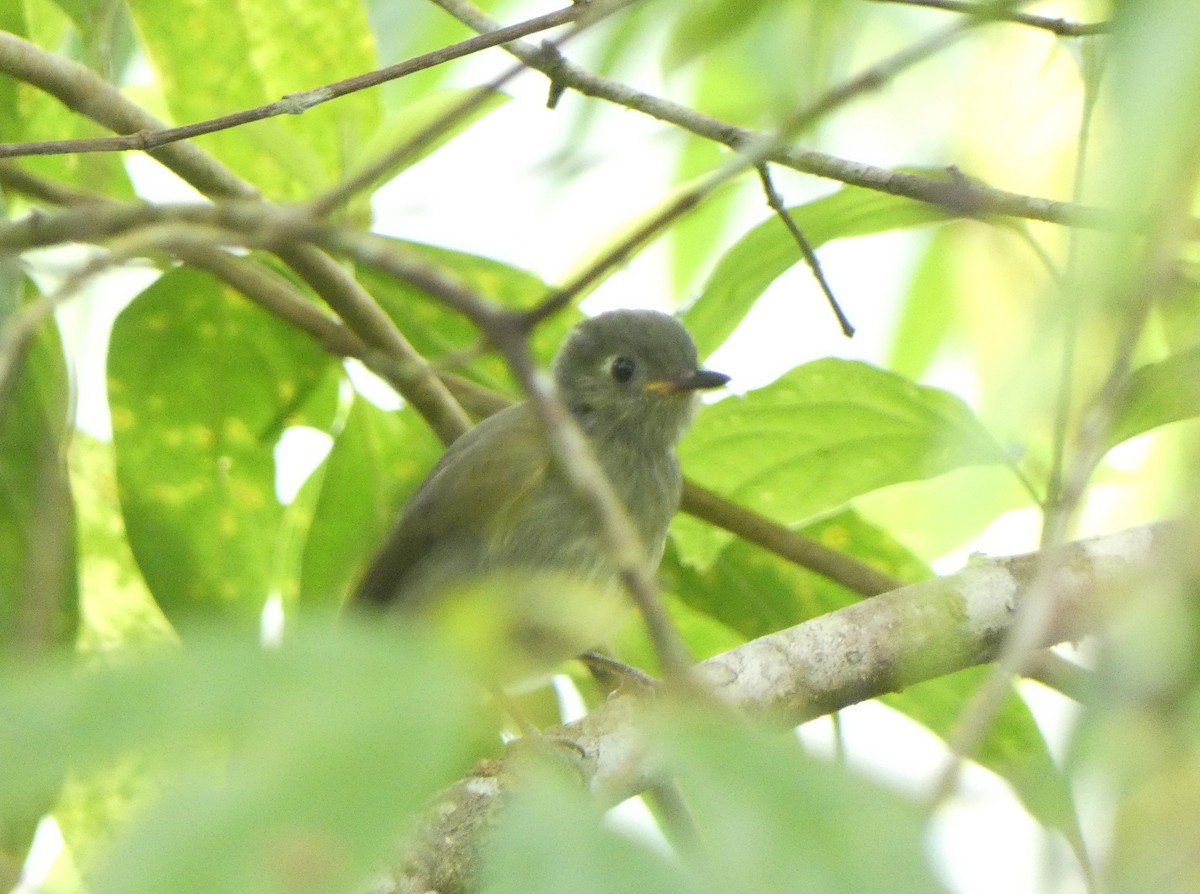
(377, 460)
(772, 819)
(293, 769)
(38, 581)
(1157, 394)
(703, 633)
(1013, 748)
(927, 314)
(551, 838)
(798, 51)
(706, 25)
(932, 516)
(259, 51)
(201, 383)
(759, 257)
(822, 434)
(696, 233)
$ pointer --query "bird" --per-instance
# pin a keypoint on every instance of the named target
(496, 504)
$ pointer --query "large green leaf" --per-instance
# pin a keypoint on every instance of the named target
(759, 257)
(201, 383)
(822, 434)
(214, 59)
(1156, 394)
(285, 770)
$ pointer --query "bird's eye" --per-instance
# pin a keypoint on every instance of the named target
(622, 369)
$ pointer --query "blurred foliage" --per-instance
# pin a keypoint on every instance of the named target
(140, 578)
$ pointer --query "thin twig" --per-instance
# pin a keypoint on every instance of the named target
(1061, 27)
(1071, 299)
(775, 201)
(966, 197)
(299, 102)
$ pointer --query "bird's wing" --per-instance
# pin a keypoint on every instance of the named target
(466, 498)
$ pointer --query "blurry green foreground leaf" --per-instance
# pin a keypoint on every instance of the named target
(1156, 394)
(768, 819)
(291, 770)
(772, 819)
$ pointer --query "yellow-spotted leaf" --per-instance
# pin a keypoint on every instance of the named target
(200, 384)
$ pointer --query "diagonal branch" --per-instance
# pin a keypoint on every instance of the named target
(898, 639)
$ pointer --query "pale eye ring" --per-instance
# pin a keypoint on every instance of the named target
(622, 369)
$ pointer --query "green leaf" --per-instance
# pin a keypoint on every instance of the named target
(1014, 747)
(824, 433)
(201, 383)
(706, 25)
(28, 113)
(1157, 394)
(38, 575)
(773, 820)
(756, 592)
(759, 257)
(377, 460)
(293, 769)
(928, 310)
(258, 51)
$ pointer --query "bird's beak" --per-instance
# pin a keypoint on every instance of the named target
(697, 380)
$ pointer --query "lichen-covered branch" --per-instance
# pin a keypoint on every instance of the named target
(895, 640)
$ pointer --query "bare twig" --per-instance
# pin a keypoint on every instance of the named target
(300, 102)
(1061, 27)
(775, 201)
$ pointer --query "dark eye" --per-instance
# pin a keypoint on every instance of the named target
(622, 369)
